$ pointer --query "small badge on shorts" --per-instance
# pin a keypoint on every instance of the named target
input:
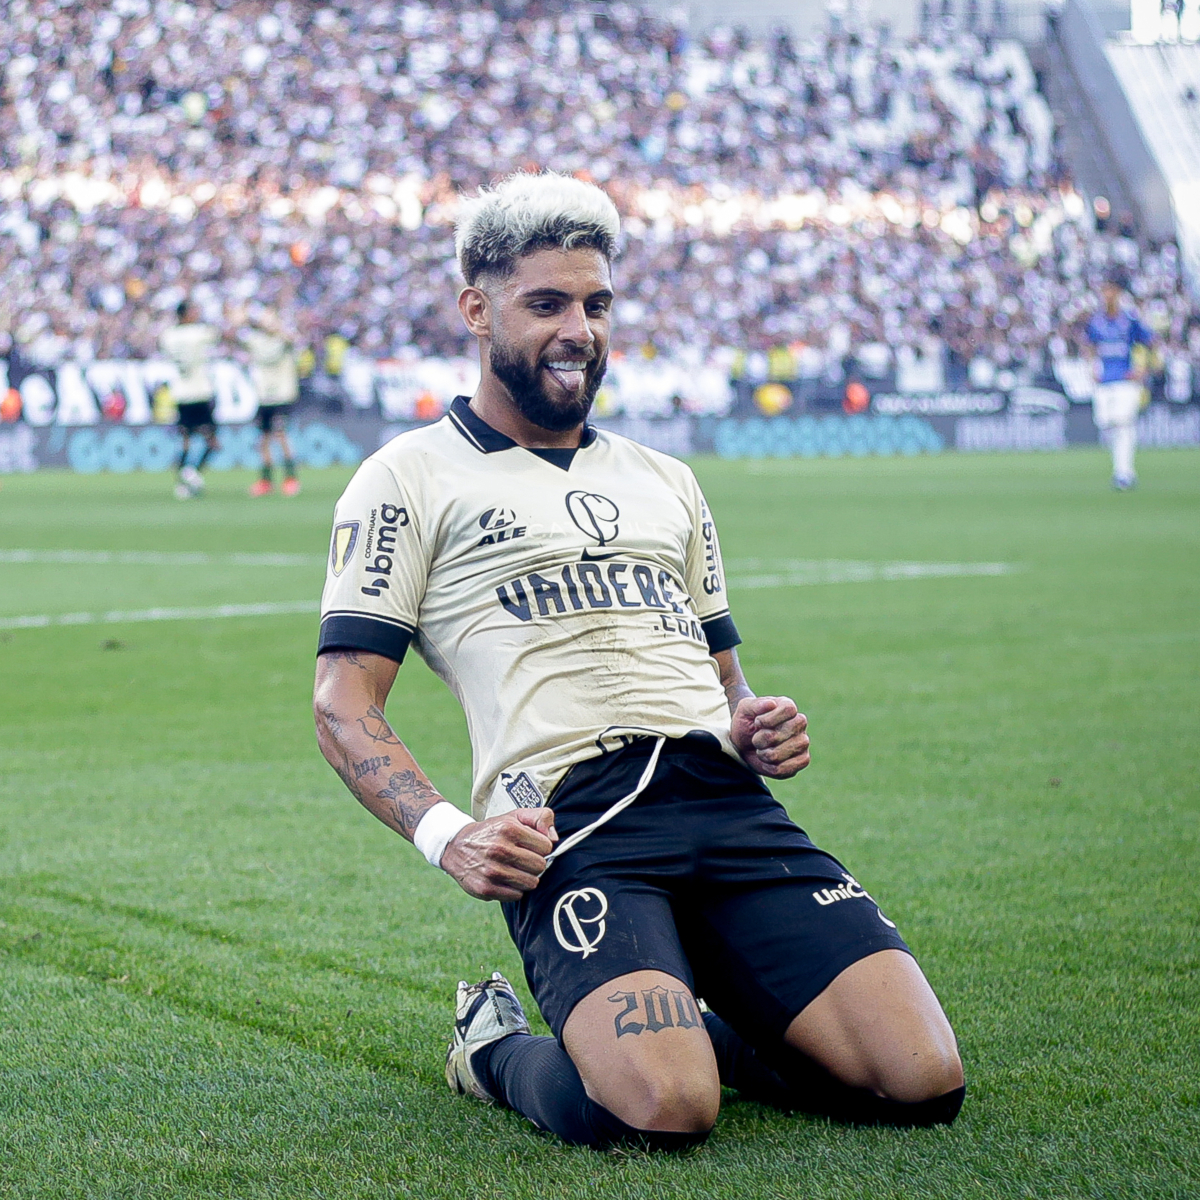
(579, 920)
(523, 792)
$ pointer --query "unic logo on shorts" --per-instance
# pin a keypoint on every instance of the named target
(574, 911)
(850, 890)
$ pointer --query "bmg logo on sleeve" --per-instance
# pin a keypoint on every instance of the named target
(391, 519)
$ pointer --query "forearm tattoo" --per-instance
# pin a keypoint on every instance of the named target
(659, 1008)
(375, 726)
(411, 798)
(346, 656)
(368, 766)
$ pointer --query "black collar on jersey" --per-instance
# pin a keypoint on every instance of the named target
(488, 440)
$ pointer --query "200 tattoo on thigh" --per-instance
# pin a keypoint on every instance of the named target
(658, 1009)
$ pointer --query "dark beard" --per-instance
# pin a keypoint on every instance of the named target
(528, 391)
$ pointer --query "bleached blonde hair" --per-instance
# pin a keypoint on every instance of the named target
(524, 213)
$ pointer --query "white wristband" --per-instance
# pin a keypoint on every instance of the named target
(436, 828)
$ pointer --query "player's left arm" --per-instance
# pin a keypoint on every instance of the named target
(1139, 364)
(769, 732)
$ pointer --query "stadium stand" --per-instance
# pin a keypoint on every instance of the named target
(845, 200)
(1162, 84)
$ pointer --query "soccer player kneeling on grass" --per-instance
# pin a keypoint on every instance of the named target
(567, 585)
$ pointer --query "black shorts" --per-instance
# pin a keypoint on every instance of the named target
(704, 877)
(272, 416)
(196, 415)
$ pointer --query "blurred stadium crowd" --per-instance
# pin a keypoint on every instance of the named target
(848, 197)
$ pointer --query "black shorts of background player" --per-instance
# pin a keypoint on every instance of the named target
(195, 417)
(272, 424)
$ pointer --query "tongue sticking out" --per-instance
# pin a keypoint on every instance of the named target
(570, 381)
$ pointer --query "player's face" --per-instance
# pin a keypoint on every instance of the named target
(549, 336)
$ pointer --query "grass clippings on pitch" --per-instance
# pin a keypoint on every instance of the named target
(220, 978)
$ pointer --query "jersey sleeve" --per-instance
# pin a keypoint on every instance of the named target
(706, 575)
(377, 567)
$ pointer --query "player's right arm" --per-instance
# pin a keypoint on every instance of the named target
(370, 609)
(496, 859)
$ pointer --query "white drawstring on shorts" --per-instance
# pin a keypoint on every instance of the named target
(620, 805)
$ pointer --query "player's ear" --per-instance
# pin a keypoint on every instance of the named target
(476, 310)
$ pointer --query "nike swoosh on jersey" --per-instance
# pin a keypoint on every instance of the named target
(587, 556)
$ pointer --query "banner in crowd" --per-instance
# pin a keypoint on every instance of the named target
(402, 389)
(346, 440)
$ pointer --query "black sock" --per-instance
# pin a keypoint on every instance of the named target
(536, 1077)
(183, 456)
(265, 471)
(204, 457)
(790, 1080)
(289, 469)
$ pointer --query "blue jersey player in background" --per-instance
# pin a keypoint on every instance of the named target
(1113, 333)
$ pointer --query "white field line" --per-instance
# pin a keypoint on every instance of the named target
(158, 558)
(796, 573)
(119, 617)
(763, 573)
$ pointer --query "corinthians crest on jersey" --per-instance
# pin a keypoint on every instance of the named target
(567, 599)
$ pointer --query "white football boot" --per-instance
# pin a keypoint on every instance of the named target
(193, 479)
(483, 1013)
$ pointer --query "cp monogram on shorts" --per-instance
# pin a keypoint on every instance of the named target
(575, 910)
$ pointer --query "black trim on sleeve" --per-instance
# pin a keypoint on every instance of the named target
(721, 633)
(354, 631)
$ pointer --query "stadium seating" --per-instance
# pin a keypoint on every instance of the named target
(832, 196)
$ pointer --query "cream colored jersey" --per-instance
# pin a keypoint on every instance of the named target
(190, 348)
(272, 366)
(569, 599)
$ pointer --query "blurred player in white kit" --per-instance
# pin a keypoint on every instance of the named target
(1113, 333)
(273, 370)
(190, 345)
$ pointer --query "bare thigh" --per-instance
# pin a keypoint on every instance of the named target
(878, 1025)
(642, 1051)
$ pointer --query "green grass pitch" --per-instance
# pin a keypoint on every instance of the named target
(219, 977)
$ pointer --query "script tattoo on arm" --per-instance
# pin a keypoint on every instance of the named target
(411, 798)
(368, 766)
(375, 726)
(660, 1008)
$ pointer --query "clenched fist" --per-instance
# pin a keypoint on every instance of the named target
(503, 857)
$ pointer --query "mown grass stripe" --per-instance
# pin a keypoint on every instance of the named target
(270, 608)
(156, 558)
(757, 573)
